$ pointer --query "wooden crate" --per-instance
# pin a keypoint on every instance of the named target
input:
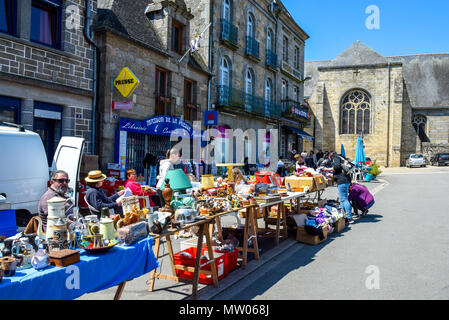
(304, 237)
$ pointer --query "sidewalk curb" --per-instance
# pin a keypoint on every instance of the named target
(210, 292)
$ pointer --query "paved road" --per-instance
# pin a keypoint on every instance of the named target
(400, 251)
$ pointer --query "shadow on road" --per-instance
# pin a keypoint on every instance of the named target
(297, 257)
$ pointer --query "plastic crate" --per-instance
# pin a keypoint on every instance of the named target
(190, 262)
(8, 223)
(231, 259)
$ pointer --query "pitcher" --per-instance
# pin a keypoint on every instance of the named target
(107, 229)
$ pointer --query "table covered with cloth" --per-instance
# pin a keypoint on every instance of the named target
(95, 272)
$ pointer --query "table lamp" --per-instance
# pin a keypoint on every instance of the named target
(178, 180)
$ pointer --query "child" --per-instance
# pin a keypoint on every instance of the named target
(360, 198)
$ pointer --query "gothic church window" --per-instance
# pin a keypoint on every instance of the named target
(356, 113)
(419, 123)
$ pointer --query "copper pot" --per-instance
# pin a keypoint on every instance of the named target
(8, 265)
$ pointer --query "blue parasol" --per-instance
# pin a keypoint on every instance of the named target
(359, 152)
(343, 152)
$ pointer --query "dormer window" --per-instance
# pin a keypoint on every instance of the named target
(177, 35)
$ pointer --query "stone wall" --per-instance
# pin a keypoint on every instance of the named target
(333, 84)
(118, 52)
(64, 76)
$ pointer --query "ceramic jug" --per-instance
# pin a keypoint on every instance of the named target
(56, 207)
(107, 229)
(60, 232)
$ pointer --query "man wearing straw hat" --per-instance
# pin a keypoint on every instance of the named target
(97, 198)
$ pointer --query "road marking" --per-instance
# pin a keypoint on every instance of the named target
(381, 187)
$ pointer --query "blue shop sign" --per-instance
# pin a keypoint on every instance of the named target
(300, 112)
(159, 125)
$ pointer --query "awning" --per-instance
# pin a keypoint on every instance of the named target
(301, 133)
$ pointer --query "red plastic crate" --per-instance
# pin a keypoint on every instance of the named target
(230, 260)
(190, 262)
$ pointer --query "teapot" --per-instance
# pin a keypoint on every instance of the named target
(40, 259)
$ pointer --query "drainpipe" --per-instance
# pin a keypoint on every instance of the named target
(276, 82)
(388, 122)
(211, 44)
(88, 34)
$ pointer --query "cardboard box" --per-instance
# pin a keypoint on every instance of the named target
(316, 183)
(89, 162)
(340, 225)
(320, 183)
(304, 237)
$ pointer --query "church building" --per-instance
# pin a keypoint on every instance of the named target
(399, 105)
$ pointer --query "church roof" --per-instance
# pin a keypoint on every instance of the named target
(358, 54)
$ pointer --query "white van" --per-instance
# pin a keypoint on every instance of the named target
(24, 172)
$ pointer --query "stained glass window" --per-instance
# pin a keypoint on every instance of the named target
(356, 113)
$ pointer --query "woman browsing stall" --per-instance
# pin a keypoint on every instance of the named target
(135, 187)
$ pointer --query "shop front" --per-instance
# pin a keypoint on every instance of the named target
(140, 144)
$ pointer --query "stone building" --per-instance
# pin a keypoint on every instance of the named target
(400, 105)
(47, 68)
(149, 38)
(255, 51)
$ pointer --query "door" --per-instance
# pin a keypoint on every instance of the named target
(68, 158)
(45, 128)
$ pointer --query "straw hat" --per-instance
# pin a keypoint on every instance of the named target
(95, 176)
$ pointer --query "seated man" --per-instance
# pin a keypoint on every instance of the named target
(59, 186)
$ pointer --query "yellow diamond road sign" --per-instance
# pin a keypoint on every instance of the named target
(126, 82)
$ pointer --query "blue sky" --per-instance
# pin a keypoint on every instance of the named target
(406, 27)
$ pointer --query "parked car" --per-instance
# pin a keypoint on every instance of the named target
(24, 168)
(416, 160)
(440, 159)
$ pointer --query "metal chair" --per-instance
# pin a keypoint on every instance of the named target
(92, 210)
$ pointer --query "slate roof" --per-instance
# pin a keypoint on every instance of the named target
(426, 76)
(128, 19)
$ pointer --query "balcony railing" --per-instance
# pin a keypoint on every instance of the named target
(252, 47)
(233, 98)
(229, 33)
(294, 109)
(272, 59)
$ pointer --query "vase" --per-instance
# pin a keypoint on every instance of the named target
(167, 195)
